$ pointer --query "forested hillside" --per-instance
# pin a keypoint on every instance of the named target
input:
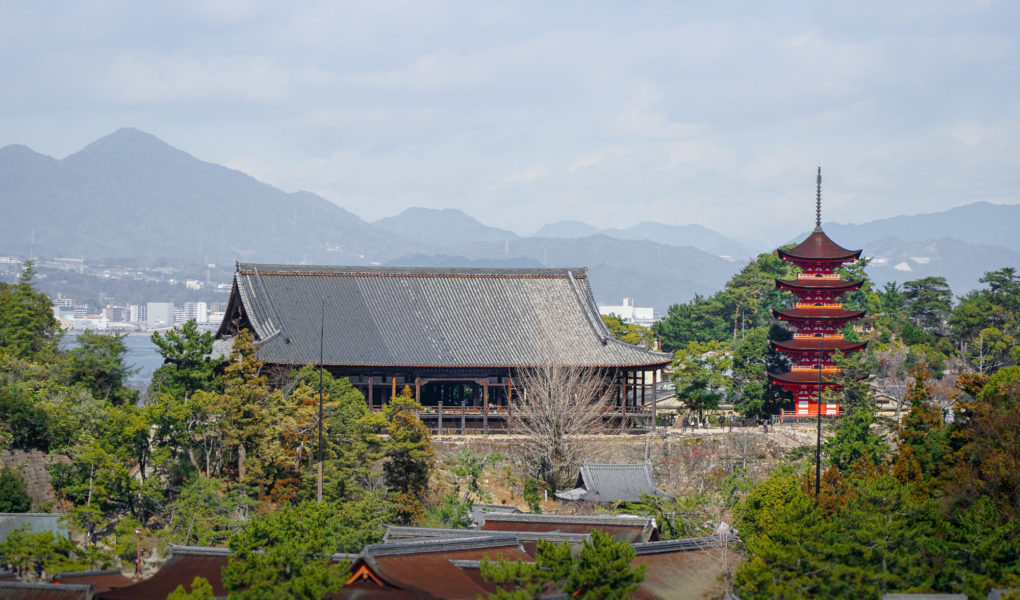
(923, 498)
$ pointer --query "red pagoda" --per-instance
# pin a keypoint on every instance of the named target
(817, 316)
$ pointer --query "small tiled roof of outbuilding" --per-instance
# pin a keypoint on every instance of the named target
(818, 246)
(100, 581)
(630, 528)
(425, 317)
(16, 590)
(613, 483)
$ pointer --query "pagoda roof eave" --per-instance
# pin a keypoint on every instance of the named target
(817, 314)
(818, 247)
(811, 345)
(802, 379)
(819, 284)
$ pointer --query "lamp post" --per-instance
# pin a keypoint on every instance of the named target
(138, 553)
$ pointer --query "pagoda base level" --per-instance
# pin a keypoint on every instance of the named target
(791, 416)
(808, 408)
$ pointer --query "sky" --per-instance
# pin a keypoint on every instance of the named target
(526, 113)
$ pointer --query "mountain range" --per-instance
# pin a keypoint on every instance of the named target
(131, 195)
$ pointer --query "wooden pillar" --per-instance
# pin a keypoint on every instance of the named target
(623, 406)
(485, 413)
(394, 379)
(417, 390)
(655, 398)
(371, 407)
(643, 385)
(463, 418)
(439, 425)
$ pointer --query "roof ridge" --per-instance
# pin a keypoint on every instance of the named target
(684, 544)
(42, 585)
(584, 519)
(285, 269)
(200, 550)
(479, 533)
(86, 573)
(428, 546)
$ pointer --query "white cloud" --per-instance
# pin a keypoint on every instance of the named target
(524, 176)
(642, 118)
(591, 159)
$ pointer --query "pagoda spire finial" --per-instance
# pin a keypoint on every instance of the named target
(818, 202)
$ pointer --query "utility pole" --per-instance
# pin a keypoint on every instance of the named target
(138, 553)
(322, 332)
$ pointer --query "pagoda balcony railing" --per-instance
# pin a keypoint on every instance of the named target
(809, 336)
(818, 305)
(818, 276)
(808, 369)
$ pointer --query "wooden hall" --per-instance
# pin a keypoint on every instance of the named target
(459, 337)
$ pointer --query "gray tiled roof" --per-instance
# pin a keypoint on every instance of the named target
(395, 533)
(685, 544)
(613, 483)
(441, 544)
(37, 523)
(924, 596)
(377, 316)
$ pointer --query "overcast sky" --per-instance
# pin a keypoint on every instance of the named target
(526, 113)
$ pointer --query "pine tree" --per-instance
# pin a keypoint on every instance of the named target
(14, 496)
(601, 570)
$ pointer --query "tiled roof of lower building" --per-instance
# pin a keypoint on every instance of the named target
(612, 483)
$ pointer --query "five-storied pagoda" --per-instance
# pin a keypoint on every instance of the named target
(818, 317)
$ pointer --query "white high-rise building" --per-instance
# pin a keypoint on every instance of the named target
(199, 311)
(159, 314)
(136, 313)
(629, 313)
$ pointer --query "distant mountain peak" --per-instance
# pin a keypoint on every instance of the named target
(127, 145)
(566, 229)
(21, 151)
(441, 226)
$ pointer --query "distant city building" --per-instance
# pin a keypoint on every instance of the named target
(197, 311)
(136, 313)
(628, 313)
(115, 313)
(91, 322)
(159, 314)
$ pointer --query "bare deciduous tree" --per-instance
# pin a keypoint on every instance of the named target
(559, 407)
(894, 373)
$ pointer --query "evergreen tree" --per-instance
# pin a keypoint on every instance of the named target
(287, 555)
(14, 496)
(409, 457)
(98, 364)
(602, 570)
(187, 366)
(27, 325)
